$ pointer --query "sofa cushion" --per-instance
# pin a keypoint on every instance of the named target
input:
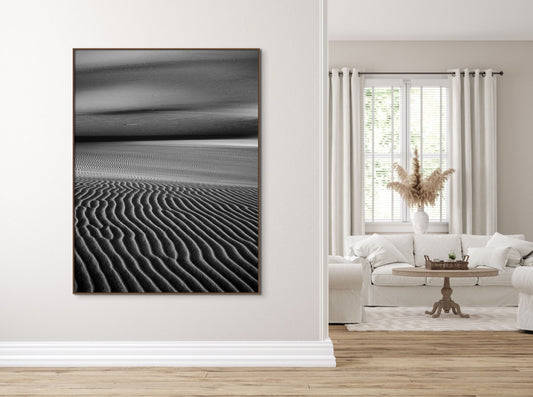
(436, 246)
(404, 243)
(378, 250)
(479, 240)
(519, 247)
(473, 241)
(454, 281)
(503, 279)
(350, 241)
(383, 276)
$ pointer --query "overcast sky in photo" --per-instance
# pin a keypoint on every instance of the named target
(166, 94)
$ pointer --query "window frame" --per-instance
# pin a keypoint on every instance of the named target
(405, 82)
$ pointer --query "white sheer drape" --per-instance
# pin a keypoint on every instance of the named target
(346, 215)
(473, 195)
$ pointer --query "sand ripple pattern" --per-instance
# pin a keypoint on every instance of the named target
(155, 236)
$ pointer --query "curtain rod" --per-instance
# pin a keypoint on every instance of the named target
(452, 73)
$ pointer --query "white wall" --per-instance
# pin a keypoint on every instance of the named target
(36, 300)
(515, 103)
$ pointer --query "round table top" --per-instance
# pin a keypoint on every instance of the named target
(423, 272)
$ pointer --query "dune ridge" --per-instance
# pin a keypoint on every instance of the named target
(155, 236)
(170, 161)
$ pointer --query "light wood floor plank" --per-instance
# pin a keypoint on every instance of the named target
(410, 364)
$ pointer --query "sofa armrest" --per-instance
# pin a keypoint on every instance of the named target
(367, 276)
(523, 279)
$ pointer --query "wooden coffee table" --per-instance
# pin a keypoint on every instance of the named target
(446, 303)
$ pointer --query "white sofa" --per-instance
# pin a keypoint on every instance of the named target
(382, 288)
(346, 303)
(523, 282)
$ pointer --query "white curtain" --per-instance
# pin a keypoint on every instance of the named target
(473, 195)
(346, 215)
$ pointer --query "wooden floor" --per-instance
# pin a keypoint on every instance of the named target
(368, 364)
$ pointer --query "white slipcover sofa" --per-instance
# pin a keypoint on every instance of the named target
(523, 282)
(382, 288)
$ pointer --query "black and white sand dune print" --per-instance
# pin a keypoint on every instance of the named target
(166, 194)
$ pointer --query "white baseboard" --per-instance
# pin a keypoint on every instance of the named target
(167, 354)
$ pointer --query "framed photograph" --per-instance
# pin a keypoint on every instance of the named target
(166, 171)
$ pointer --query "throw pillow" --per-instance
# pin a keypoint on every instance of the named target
(378, 251)
(519, 248)
(404, 244)
(488, 257)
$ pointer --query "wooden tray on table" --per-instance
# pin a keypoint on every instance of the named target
(447, 265)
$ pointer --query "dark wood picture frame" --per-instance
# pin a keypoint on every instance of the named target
(258, 218)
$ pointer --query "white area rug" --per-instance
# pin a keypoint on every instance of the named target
(414, 319)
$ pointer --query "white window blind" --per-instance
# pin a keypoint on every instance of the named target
(399, 115)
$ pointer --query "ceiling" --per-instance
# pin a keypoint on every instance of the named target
(430, 19)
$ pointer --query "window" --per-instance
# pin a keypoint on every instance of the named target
(399, 115)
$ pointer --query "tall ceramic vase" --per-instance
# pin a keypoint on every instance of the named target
(420, 221)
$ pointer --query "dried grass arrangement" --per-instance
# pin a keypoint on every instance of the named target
(416, 190)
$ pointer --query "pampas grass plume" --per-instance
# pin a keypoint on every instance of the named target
(416, 190)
